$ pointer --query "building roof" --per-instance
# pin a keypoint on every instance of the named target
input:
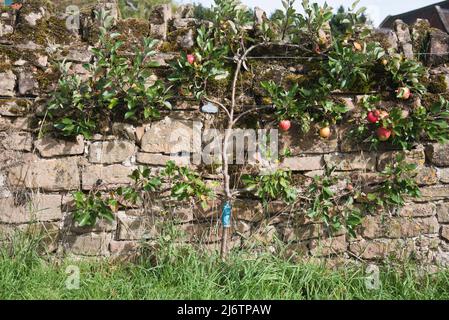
(437, 14)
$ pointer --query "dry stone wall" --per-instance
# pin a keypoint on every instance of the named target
(37, 175)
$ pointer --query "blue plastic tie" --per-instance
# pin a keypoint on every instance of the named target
(226, 215)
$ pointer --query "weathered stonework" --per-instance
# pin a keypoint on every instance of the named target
(171, 136)
(109, 152)
(49, 147)
(303, 163)
(38, 174)
(17, 141)
(438, 154)
(381, 249)
(7, 83)
(30, 208)
(416, 156)
(352, 161)
(105, 177)
(50, 175)
(90, 244)
(443, 212)
(161, 159)
(418, 210)
(386, 227)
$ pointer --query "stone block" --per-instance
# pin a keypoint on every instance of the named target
(442, 210)
(138, 227)
(418, 210)
(17, 141)
(109, 152)
(381, 249)
(438, 154)
(156, 159)
(106, 177)
(40, 207)
(352, 161)
(416, 156)
(49, 147)
(303, 163)
(51, 175)
(7, 83)
(329, 246)
(398, 227)
(90, 244)
(171, 136)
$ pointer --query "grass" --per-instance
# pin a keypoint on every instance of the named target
(185, 274)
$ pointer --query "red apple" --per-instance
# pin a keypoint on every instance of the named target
(403, 93)
(383, 134)
(373, 116)
(285, 125)
(190, 58)
(16, 6)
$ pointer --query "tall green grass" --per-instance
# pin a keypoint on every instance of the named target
(183, 273)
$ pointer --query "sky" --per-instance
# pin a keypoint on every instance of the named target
(377, 9)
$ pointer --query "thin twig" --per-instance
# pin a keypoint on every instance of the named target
(241, 115)
(219, 104)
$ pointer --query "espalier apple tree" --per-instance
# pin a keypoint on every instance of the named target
(345, 60)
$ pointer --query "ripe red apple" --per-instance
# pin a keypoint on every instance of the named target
(190, 58)
(16, 6)
(404, 93)
(325, 132)
(373, 116)
(383, 133)
(285, 125)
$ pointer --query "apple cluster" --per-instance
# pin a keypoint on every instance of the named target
(383, 133)
(285, 125)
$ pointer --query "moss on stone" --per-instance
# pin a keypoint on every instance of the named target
(47, 30)
(428, 99)
(132, 32)
(421, 36)
(220, 88)
(46, 79)
(173, 35)
(21, 105)
(438, 84)
(5, 66)
(167, 47)
(292, 79)
(381, 38)
(12, 54)
(35, 5)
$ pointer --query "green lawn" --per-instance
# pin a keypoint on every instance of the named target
(184, 274)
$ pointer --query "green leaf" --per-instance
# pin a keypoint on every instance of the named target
(130, 114)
